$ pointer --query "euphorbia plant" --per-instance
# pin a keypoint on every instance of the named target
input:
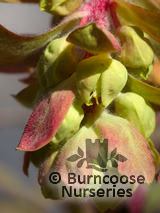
(92, 76)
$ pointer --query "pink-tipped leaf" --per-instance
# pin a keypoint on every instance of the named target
(46, 120)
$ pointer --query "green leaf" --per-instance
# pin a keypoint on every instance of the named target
(146, 20)
(148, 92)
(94, 39)
(15, 48)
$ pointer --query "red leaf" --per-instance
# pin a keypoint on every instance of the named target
(46, 120)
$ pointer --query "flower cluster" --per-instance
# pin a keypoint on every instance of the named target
(95, 79)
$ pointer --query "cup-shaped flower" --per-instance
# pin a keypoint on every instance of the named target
(57, 63)
(101, 78)
(135, 109)
(136, 54)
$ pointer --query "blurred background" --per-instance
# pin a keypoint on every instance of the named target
(19, 193)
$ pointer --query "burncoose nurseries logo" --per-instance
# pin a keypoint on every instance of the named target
(103, 158)
(104, 180)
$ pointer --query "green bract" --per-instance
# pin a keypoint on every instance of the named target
(60, 7)
(94, 39)
(136, 54)
(133, 107)
(101, 78)
(57, 63)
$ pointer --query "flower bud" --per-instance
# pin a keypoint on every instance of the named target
(70, 124)
(101, 78)
(111, 82)
(60, 7)
(133, 107)
(57, 62)
(136, 54)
